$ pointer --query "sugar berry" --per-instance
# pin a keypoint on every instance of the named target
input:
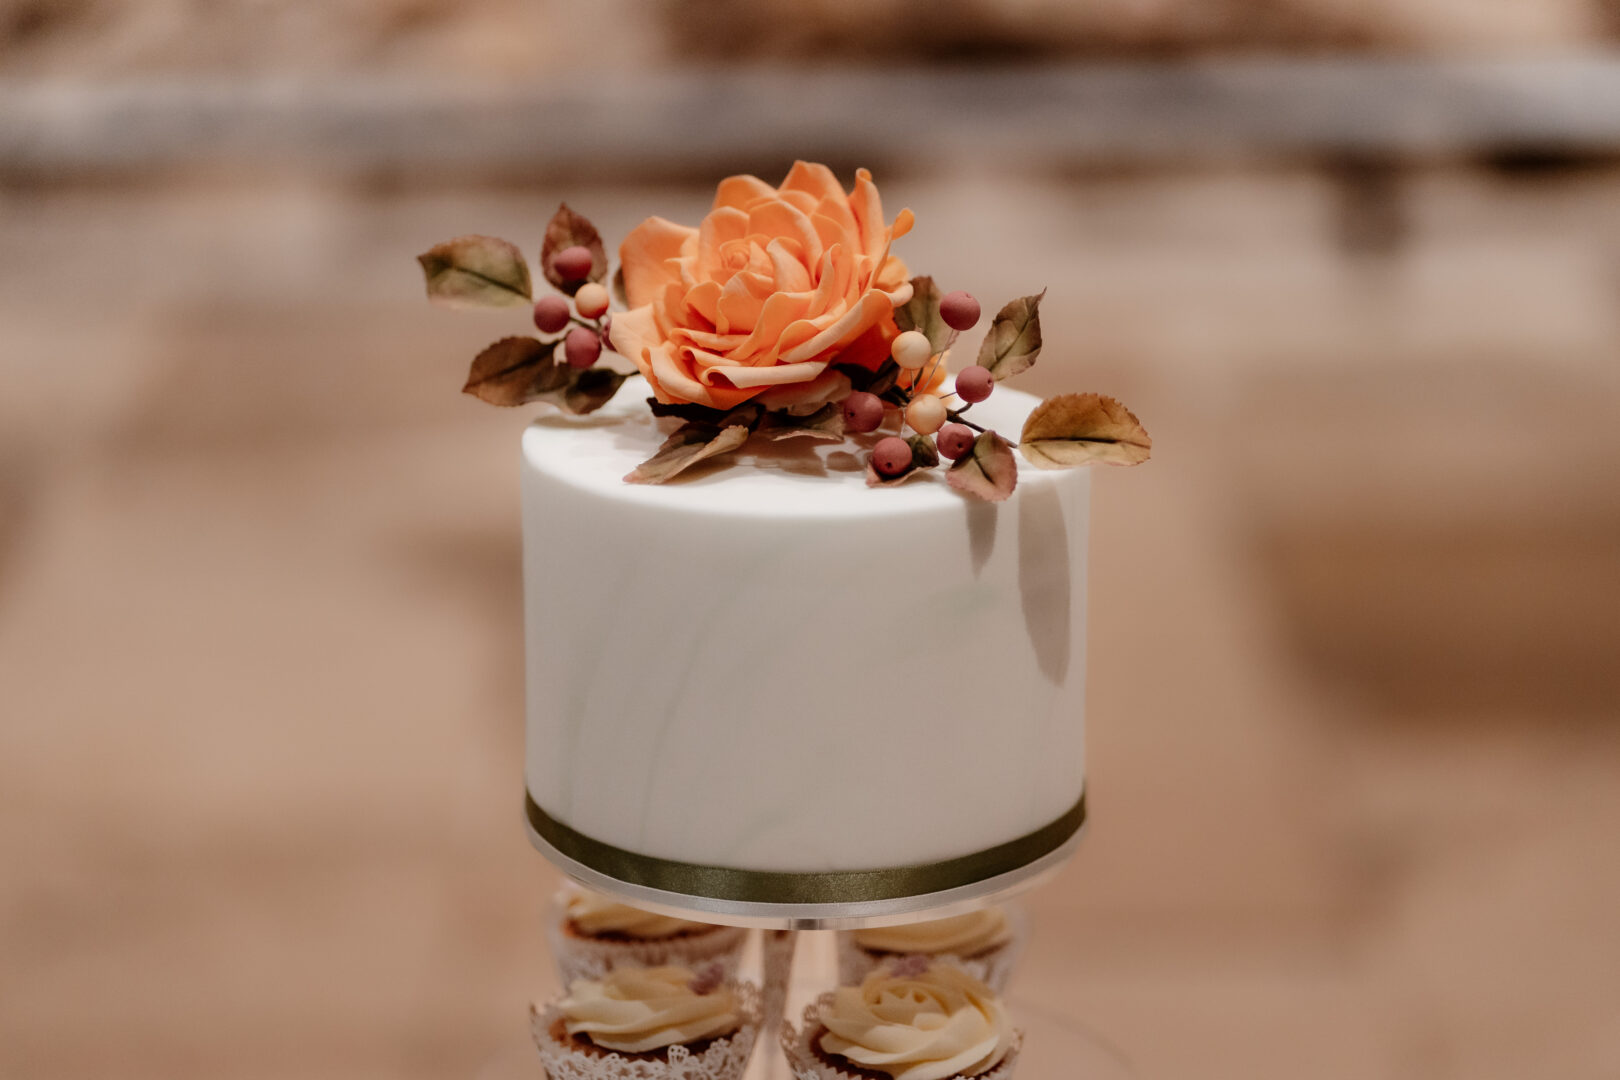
(974, 383)
(573, 263)
(959, 310)
(550, 314)
(863, 412)
(926, 414)
(591, 300)
(912, 349)
(581, 347)
(891, 456)
(955, 440)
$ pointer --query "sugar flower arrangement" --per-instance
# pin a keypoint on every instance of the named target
(783, 315)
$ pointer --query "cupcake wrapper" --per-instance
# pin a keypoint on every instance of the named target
(588, 958)
(806, 1065)
(723, 1059)
(993, 968)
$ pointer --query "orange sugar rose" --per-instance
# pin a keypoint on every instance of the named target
(767, 293)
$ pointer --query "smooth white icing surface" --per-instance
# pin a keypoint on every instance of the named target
(772, 666)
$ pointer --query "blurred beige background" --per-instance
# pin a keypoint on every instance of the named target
(1355, 709)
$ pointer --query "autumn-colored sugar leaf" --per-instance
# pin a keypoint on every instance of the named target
(568, 229)
(690, 444)
(883, 380)
(878, 381)
(682, 410)
(1079, 429)
(924, 456)
(1014, 340)
(990, 472)
(590, 389)
(922, 313)
(515, 370)
(748, 415)
(617, 288)
(476, 272)
(825, 423)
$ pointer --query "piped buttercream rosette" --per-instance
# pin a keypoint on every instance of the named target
(911, 1019)
(985, 943)
(664, 1023)
(591, 935)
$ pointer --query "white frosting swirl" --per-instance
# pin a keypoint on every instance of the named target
(963, 935)
(635, 1010)
(593, 914)
(941, 1023)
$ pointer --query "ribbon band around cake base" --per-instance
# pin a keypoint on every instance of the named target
(787, 887)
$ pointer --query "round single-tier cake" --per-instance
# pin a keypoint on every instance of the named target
(771, 694)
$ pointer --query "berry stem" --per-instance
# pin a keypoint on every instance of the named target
(956, 414)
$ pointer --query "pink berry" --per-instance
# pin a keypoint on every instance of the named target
(959, 310)
(974, 383)
(955, 440)
(582, 347)
(891, 456)
(550, 314)
(573, 263)
(863, 412)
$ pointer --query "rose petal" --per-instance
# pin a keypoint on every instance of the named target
(801, 201)
(872, 307)
(814, 179)
(704, 299)
(741, 301)
(776, 218)
(779, 312)
(830, 385)
(633, 332)
(867, 207)
(791, 276)
(644, 257)
(741, 192)
(774, 375)
(834, 281)
(673, 380)
(727, 225)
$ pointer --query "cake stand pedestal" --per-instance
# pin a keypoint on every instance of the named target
(1057, 1046)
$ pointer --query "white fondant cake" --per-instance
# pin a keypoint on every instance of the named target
(773, 667)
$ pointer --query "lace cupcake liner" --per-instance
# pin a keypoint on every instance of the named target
(591, 958)
(808, 1065)
(725, 1058)
(993, 967)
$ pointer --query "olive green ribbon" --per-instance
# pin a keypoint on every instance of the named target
(780, 887)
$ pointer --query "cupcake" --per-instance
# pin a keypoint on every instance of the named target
(663, 1023)
(592, 934)
(985, 943)
(911, 1019)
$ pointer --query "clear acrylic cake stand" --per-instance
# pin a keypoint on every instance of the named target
(1056, 1046)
